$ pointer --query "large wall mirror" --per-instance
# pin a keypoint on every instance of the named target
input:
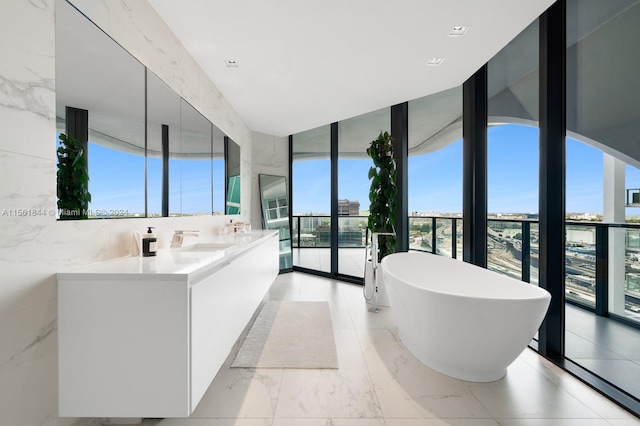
(163, 131)
(192, 168)
(100, 81)
(219, 180)
(275, 214)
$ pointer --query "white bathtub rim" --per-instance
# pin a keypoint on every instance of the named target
(542, 293)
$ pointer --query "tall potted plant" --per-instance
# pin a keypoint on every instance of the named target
(383, 191)
(72, 179)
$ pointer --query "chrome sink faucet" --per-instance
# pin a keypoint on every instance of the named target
(178, 237)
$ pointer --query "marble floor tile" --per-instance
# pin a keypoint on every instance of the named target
(329, 422)
(362, 318)
(407, 388)
(625, 422)
(285, 288)
(327, 393)
(553, 422)
(319, 289)
(595, 401)
(525, 393)
(207, 422)
(241, 392)
(343, 393)
(441, 422)
(301, 422)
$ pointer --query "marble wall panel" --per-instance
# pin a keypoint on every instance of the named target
(27, 77)
(270, 157)
(214, 104)
(138, 28)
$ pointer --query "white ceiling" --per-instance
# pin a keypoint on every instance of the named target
(303, 64)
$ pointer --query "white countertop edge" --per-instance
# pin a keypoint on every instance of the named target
(191, 273)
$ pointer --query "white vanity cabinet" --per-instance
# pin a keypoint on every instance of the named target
(141, 337)
(221, 306)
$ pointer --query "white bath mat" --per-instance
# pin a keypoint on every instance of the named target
(290, 335)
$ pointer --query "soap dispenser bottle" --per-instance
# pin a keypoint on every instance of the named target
(149, 243)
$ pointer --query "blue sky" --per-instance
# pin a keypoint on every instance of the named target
(117, 183)
(435, 179)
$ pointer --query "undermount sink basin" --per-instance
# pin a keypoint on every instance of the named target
(207, 247)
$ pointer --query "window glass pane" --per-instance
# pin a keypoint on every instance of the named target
(512, 150)
(311, 199)
(354, 137)
(603, 144)
(435, 169)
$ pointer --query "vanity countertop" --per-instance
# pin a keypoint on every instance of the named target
(189, 263)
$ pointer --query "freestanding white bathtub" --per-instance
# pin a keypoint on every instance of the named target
(462, 320)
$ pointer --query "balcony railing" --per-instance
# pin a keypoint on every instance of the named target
(315, 231)
(512, 249)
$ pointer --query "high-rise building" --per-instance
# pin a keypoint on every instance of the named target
(348, 208)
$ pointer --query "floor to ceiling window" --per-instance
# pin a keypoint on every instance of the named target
(512, 156)
(584, 178)
(354, 137)
(435, 173)
(311, 199)
(603, 142)
(600, 320)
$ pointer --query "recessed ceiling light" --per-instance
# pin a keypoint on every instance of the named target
(232, 63)
(458, 30)
(435, 61)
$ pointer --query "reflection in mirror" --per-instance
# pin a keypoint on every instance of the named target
(218, 172)
(102, 82)
(232, 155)
(275, 214)
(163, 129)
(190, 164)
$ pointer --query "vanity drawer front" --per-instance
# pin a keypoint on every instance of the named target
(221, 307)
(122, 348)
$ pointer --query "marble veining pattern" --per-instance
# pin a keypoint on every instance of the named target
(43, 333)
(27, 96)
(26, 342)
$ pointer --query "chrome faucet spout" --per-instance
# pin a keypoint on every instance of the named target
(178, 237)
